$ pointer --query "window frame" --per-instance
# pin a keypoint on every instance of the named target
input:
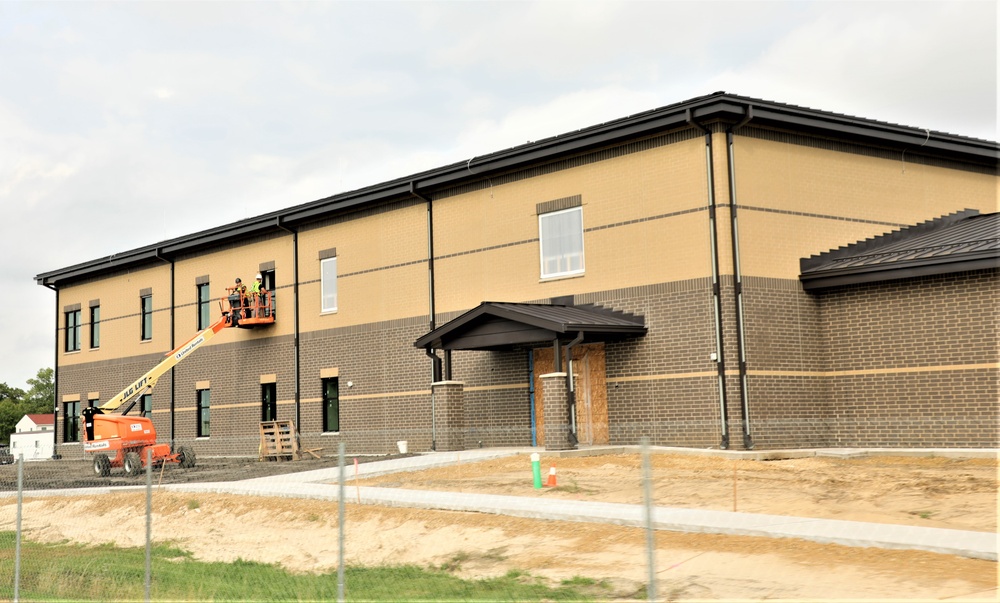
(95, 327)
(146, 317)
(73, 330)
(268, 401)
(71, 422)
(204, 297)
(543, 259)
(145, 405)
(203, 403)
(323, 293)
(327, 403)
(268, 281)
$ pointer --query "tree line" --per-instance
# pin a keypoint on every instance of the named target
(16, 402)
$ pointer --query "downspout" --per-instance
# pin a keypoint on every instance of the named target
(435, 359)
(738, 278)
(55, 382)
(295, 321)
(435, 377)
(173, 380)
(571, 387)
(716, 288)
(531, 397)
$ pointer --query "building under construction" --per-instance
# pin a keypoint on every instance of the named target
(721, 272)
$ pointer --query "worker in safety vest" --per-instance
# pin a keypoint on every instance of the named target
(257, 286)
(257, 292)
(241, 290)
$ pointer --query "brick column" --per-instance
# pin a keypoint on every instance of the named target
(556, 411)
(449, 414)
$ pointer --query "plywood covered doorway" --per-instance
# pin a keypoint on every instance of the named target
(591, 393)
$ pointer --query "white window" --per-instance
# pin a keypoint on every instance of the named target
(561, 242)
(329, 288)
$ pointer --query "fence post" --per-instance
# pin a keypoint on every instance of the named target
(340, 531)
(17, 529)
(149, 521)
(647, 487)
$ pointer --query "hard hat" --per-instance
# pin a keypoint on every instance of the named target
(259, 276)
(238, 280)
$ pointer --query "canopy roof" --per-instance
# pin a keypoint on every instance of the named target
(499, 326)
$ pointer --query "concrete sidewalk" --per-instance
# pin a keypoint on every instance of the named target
(322, 484)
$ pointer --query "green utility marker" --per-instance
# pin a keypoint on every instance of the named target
(536, 469)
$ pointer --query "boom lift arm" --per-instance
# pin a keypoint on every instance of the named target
(148, 381)
(130, 443)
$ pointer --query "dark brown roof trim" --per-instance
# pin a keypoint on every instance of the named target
(713, 108)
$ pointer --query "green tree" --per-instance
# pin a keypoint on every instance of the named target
(10, 411)
(40, 397)
(14, 394)
(15, 402)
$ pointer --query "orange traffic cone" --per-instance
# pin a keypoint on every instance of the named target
(551, 483)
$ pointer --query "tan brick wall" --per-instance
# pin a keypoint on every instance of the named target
(801, 178)
(120, 315)
(223, 267)
(381, 267)
(644, 221)
(796, 200)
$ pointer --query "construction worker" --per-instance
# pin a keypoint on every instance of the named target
(239, 304)
(257, 292)
(257, 286)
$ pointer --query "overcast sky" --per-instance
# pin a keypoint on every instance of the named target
(124, 124)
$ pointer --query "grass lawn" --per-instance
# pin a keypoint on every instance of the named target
(70, 572)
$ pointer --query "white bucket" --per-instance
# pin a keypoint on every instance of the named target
(402, 446)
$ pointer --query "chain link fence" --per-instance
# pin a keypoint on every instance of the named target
(98, 529)
(483, 524)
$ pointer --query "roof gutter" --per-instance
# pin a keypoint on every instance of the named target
(868, 274)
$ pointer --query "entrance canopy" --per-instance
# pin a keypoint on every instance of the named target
(502, 326)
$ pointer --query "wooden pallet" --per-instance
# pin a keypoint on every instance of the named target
(278, 441)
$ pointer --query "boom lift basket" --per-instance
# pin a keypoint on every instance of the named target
(248, 310)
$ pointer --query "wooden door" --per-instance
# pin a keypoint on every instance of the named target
(591, 393)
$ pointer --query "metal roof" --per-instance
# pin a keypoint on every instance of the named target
(718, 107)
(499, 325)
(957, 242)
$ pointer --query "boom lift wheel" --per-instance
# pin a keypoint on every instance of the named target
(186, 457)
(102, 465)
(132, 464)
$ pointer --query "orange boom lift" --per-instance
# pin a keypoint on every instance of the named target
(117, 440)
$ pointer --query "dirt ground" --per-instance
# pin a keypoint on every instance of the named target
(302, 534)
(923, 491)
(46, 475)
